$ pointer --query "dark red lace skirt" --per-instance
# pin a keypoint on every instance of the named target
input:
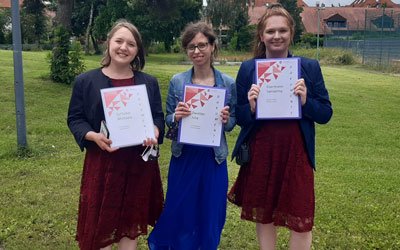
(277, 186)
(120, 196)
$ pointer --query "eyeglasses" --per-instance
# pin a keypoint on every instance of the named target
(151, 153)
(200, 46)
(273, 5)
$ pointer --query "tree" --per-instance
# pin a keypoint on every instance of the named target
(163, 21)
(33, 21)
(291, 7)
(110, 12)
(5, 20)
(64, 13)
(232, 14)
(83, 16)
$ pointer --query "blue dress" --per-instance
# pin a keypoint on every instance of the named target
(195, 206)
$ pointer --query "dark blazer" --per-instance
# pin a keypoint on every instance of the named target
(316, 109)
(86, 110)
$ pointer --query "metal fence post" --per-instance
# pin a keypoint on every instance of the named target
(18, 77)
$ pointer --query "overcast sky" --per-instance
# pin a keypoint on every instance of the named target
(329, 2)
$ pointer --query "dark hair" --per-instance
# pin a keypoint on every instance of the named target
(139, 60)
(274, 9)
(192, 29)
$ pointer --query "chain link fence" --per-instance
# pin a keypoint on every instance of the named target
(374, 36)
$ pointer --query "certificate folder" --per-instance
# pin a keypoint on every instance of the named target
(128, 115)
(276, 79)
(203, 126)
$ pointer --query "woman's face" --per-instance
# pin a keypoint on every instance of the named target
(199, 50)
(122, 47)
(276, 37)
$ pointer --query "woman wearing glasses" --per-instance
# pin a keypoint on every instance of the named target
(276, 186)
(120, 194)
(195, 207)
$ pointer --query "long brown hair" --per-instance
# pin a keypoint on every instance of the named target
(139, 61)
(275, 9)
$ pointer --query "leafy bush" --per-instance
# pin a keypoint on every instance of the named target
(157, 48)
(75, 55)
(242, 40)
(65, 64)
(309, 40)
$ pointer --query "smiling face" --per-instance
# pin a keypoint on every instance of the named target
(122, 47)
(276, 36)
(202, 52)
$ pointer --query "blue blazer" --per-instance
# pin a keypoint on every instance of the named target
(86, 110)
(316, 109)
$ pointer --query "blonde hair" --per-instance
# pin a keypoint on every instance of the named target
(139, 61)
(275, 9)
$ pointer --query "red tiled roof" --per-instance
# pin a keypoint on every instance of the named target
(7, 3)
(374, 3)
(354, 16)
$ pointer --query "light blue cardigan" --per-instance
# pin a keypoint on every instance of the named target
(175, 94)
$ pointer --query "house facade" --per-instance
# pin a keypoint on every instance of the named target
(359, 16)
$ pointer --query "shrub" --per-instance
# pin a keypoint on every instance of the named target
(59, 59)
(157, 48)
(65, 64)
(75, 55)
(309, 40)
(242, 40)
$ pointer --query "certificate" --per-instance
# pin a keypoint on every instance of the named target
(276, 78)
(128, 115)
(203, 126)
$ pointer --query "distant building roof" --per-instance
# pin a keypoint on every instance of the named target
(353, 16)
(374, 3)
(7, 3)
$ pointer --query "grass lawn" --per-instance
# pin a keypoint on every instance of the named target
(357, 178)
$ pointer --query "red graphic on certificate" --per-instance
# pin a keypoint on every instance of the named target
(115, 99)
(197, 97)
(268, 71)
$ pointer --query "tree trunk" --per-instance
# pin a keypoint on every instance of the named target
(64, 13)
(95, 45)
(89, 27)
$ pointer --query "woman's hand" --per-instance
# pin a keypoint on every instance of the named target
(300, 89)
(150, 141)
(252, 95)
(225, 115)
(100, 140)
(182, 110)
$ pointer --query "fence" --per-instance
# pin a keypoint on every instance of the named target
(374, 35)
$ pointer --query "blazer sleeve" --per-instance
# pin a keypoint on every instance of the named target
(244, 80)
(77, 120)
(232, 105)
(156, 108)
(318, 107)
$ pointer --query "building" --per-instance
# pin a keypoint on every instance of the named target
(345, 21)
(361, 15)
(7, 3)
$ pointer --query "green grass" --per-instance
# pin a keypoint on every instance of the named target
(357, 177)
